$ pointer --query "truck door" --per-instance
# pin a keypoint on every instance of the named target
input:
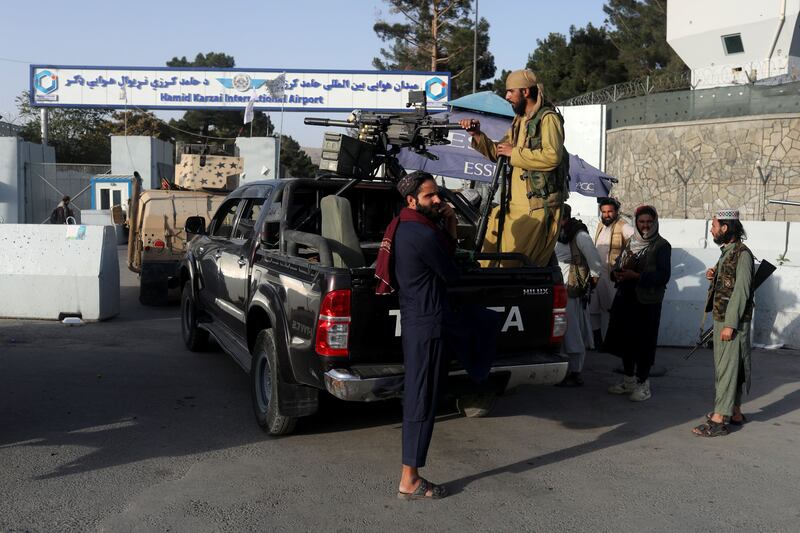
(210, 253)
(234, 266)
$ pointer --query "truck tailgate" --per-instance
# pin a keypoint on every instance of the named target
(523, 297)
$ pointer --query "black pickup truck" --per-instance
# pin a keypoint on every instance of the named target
(283, 280)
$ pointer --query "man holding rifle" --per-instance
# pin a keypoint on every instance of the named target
(730, 298)
(538, 185)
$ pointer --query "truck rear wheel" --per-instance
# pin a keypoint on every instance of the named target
(476, 405)
(195, 338)
(265, 386)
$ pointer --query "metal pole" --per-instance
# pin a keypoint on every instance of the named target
(475, 53)
(45, 126)
(280, 129)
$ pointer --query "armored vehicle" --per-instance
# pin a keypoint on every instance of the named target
(157, 240)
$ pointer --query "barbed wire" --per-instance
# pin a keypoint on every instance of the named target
(631, 89)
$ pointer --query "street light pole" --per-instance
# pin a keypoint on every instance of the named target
(475, 53)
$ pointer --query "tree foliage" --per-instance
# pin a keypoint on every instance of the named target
(586, 62)
(78, 135)
(139, 122)
(438, 36)
(294, 161)
(631, 44)
(638, 28)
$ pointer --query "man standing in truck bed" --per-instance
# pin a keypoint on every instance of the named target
(416, 257)
(539, 181)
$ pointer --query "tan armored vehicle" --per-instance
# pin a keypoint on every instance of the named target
(157, 240)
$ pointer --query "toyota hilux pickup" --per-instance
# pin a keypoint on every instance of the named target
(283, 279)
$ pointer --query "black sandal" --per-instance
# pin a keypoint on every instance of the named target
(421, 492)
(711, 429)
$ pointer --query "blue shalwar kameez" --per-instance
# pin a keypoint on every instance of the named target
(423, 268)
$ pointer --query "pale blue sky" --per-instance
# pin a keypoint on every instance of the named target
(301, 34)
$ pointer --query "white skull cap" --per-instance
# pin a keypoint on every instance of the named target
(728, 214)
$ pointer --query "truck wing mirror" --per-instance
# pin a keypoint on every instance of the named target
(195, 226)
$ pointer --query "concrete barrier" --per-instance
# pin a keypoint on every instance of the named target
(50, 270)
(103, 217)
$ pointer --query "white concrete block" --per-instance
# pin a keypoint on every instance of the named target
(685, 299)
(103, 217)
(52, 269)
(767, 239)
(685, 233)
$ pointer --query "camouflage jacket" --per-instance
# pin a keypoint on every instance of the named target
(730, 295)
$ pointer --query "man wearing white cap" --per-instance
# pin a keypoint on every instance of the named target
(539, 180)
(730, 298)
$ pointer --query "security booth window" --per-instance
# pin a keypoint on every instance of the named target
(222, 225)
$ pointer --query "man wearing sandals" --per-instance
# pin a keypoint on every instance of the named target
(730, 298)
(416, 258)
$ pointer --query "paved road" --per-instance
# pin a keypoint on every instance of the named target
(116, 427)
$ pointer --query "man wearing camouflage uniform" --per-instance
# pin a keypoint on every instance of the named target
(730, 298)
(539, 180)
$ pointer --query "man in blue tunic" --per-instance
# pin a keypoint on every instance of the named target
(417, 258)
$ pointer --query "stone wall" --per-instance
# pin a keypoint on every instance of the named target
(721, 162)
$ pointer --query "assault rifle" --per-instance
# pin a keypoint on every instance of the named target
(380, 137)
(765, 270)
(499, 180)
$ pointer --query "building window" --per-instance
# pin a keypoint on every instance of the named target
(733, 43)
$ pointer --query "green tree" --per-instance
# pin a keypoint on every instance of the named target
(294, 161)
(438, 36)
(638, 29)
(138, 122)
(585, 62)
(78, 135)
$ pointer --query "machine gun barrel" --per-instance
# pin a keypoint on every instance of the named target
(310, 121)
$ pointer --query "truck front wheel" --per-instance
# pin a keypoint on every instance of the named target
(265, 386)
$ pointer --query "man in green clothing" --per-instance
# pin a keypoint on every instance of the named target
(730, 298)
(539, 182)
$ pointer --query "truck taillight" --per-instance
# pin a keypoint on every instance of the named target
(559, 323)
(159, 244)
(333, 326)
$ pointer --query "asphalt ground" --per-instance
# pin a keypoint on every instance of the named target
(115, 426)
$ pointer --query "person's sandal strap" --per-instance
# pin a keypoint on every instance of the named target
(711, 429)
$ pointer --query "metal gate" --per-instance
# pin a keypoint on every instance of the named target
(47, 183)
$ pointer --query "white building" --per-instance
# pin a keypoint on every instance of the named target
(730, 42)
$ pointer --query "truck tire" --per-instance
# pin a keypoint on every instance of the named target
(265, 387)
(476, 405)
(195, 338)
(152, 293)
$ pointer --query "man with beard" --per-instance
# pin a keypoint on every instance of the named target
(580, 265)
(416, 257)
(611, 237)
(730, 298)
(539, 180)
(62, 213)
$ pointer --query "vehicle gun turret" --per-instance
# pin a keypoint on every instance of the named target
(379, 137)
